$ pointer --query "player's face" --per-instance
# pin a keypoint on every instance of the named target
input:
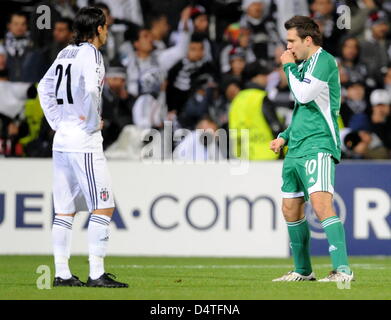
(296, 45)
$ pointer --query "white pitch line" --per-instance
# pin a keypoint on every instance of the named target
(237, 266)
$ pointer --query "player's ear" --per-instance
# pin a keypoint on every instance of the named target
(99, 29)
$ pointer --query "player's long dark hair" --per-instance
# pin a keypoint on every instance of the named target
(86, 24)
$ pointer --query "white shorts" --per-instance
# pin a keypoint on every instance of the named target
(81, 181)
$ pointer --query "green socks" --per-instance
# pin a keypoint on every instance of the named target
(337, 245)
(299, 234)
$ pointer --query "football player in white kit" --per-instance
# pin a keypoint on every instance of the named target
(70, 94)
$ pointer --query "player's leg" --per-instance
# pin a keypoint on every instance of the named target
(64, 192)
(95, 182)
(320, 171)
(299, 233)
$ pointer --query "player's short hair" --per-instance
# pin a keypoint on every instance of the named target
(306, 27)
(86, 24)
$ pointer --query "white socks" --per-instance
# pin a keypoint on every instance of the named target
(98, 237)
(62, 237)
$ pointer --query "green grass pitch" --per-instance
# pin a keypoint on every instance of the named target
(152, 278)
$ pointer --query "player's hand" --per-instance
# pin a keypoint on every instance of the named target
(101, 125)
(287, 57)
(277, 144)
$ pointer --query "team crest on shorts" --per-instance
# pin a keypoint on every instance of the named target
(104, 194)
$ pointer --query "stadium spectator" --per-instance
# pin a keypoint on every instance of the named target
(125, 11)
(277, 84)
(387, 79)
(264, 34)
(200, 144)
(325, 15)
(350, 68)
(110, 49)
(182, 75)
(226, 12)
(236, 37)
(145, 57)
(200, 101)
(375, 50)
(3, 58)
(62, 35)
(369, 135)
(13, 96)
(58, 9)
(150, 110)
(360, 11)
(361, 144)
(354, 102)
(200, 21)
(32, 116)
(229, 88)
(381, 116)
(116, 104)
(237, 62)
(41, 147)
(158, 24)
(286, 10)
(251, 110)
(23, 62)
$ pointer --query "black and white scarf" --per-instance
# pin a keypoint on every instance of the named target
(16, 46)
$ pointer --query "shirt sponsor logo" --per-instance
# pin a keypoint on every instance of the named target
(306, 80)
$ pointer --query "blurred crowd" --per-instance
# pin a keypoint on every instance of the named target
(192, 64)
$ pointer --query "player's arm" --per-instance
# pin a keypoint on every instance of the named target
(47, 98)
(309, 88)
(285, 134)
(89, 71)
(281, 140)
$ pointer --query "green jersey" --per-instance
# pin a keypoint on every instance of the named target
(316, 88)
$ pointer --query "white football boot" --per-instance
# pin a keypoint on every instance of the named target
(294, 276)
(336, 276)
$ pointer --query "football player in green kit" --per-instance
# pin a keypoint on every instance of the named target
(313, 149)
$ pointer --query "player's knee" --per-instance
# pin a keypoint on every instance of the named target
(321, 209)
(288, 211)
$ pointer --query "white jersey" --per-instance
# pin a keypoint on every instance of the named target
(70, 96)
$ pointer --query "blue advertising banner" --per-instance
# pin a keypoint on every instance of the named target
(363, 202)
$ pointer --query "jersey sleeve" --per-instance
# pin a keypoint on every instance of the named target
(90, 73)
(315, 80)
(285, 135)
(47, 98)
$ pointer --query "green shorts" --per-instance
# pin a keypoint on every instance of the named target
(305, 175)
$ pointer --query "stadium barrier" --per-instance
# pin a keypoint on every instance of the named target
(195, 209)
